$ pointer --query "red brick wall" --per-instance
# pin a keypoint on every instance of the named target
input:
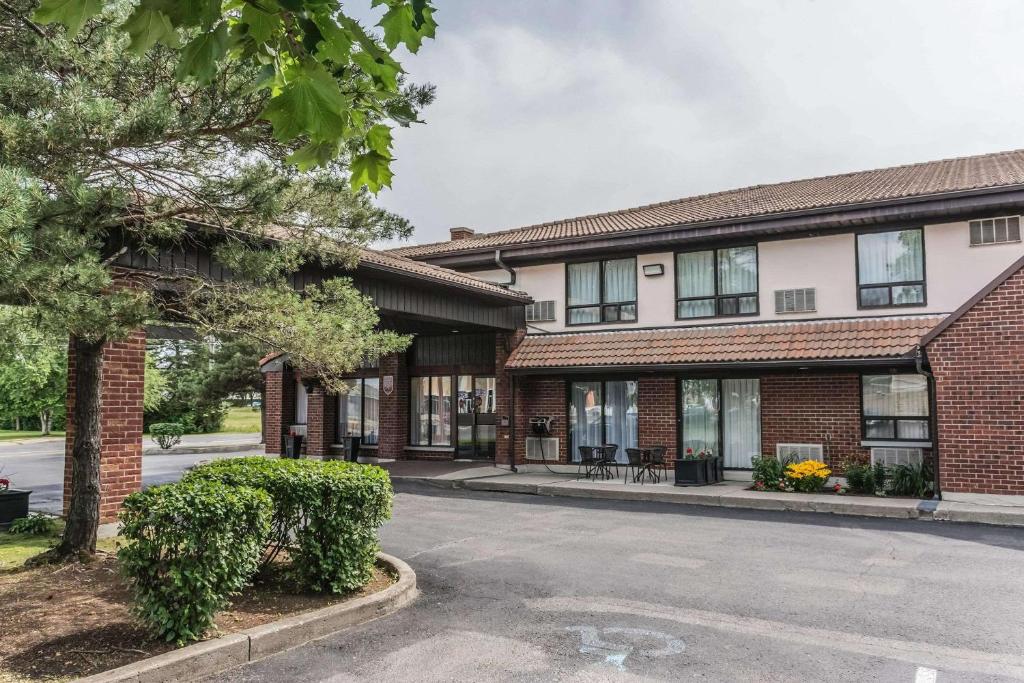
(120, 424)
(978, 363)
(321, 414)
(656, 407)
(394, 409)
(813, 408)
(278, 407)
(504, 344)
(540, 396)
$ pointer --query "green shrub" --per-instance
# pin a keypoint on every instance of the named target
(189, 547)
(325, 513)
(880, 475)
(860, 477)
(35, 524)
(166, 434)
(910, 480)
(768, 471)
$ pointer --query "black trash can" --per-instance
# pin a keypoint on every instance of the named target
(352, 444)
(292, 447)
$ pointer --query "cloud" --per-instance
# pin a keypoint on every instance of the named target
(549, 110)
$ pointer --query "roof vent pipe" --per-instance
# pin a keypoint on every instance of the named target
(501, 264)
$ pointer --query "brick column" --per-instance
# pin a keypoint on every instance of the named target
(541, 396)
(504, 344)
(120, 423)
(320, 417)
(656, 411)
(394, 407)
(278, 407)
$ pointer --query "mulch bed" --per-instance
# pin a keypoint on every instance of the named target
(67, 621)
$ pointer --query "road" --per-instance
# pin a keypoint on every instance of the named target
(38, 464)
(528, 588)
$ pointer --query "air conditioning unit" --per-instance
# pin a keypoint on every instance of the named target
(540, 311)
(799, 451)
(795, 300)
(897, 456)
(541, 448)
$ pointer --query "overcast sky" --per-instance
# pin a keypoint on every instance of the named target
(548, 109)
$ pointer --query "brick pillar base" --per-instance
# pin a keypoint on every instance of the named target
(320, 418)
(120, 424)
(278, 407)
(394, 406)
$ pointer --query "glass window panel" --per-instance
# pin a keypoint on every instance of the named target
(975, 232)
(585, 403)
(695, 275)
(486, 395)
(912, 429)
(908, 294)
(465, 395)
(584, 283)
(611, 314)
(419, 427)
(737, 270)
(441, 411)
(619, 280)
(1000, 230)
(741, 421)
(895, 395)
(988, 232)
(700, 415)
(890, 257)
(874, 296)
(620, 416)
(579, 316)
(371, 410)
(879, 429)
(627, 312)
(301, 403)
(1013, 228)
(748, 304)
(699, 308)
(728, 306)
(350, 409)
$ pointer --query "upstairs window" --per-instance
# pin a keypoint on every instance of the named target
(890, 269)
(716, 282)
(895, 407)
(601, 292)
(995, 230)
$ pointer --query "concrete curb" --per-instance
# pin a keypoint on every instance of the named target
(220, 654)
(890, 508)
(255, 446)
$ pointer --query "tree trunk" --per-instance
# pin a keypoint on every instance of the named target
(44, 422)
(84, 509)
(17, 424)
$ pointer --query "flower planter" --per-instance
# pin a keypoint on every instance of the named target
(692, 472)
(13, 505)
(715, 469)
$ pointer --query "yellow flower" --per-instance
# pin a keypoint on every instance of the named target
(808, 468)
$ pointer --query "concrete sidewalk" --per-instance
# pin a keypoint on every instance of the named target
(731, 494)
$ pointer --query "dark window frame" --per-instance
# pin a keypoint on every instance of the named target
(603, 380)
(362, 410)
(718, 378)
(927, 419)
(717, 298)
(453, 411)
(923, 282)
(602, 305)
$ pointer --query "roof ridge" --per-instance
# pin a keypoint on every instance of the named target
(488, 236)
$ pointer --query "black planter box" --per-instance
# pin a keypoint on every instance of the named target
(715, 469)
(691, 472)
(13, 505)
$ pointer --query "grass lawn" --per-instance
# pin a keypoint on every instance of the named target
(16, 548)
(241, 420)
(8, 434)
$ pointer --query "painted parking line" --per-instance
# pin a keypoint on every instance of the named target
(925, 675)
(937, 657)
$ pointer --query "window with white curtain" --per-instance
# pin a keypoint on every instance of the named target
(895, 407)
(430, 411)
(716, 282)
(359, 410)
(722, 417)
(301, 402)
(602, 413)
(600, 291)
(890, 269)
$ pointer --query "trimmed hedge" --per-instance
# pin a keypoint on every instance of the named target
(190, 546)
(325, 513)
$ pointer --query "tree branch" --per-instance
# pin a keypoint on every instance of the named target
(25, 20)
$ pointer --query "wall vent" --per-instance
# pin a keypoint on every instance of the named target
(795, 300)
(897, 456)
(995, 230)
(540, 311)
(799, 451)
(541, 448)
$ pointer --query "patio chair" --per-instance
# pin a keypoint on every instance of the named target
(657, 465)
(635, 463)
(608, 461)
(590, 461)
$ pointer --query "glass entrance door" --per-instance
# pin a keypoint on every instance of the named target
(477, 421)
(722, 417)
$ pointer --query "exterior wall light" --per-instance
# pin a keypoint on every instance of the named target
(654, 270)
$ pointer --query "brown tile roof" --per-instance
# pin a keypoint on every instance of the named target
(382, 260)
(899, 182)
(847, 339)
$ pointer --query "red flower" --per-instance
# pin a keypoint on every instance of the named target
(5, 484)
(689, 451)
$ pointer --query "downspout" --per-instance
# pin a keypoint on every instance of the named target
(511, 271)
(919, 358)
(512, 420)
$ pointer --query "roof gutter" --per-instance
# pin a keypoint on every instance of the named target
(891, 361)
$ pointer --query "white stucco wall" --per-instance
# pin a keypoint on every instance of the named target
(954, 271)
